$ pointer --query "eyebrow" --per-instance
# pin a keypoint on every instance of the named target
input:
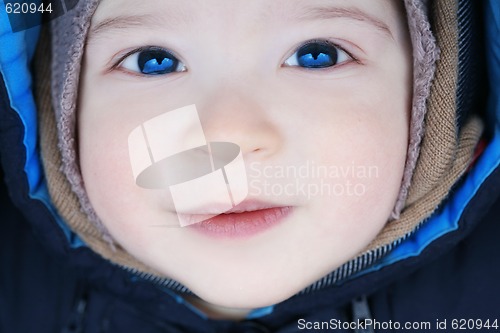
(313, 13)
(329, 12)
(124, 22)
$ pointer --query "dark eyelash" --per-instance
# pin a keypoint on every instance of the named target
(326, 41)
(129, 53)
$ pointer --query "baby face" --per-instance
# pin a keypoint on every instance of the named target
(315, 93)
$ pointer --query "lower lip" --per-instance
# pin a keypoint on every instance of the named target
(241, 225)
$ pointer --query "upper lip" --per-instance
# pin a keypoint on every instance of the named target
(251, 205)
(244, 206)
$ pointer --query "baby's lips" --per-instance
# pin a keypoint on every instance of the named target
(211, 209)
(220, 208)
(205, 212)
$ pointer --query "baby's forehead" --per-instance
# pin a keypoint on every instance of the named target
(197, 13)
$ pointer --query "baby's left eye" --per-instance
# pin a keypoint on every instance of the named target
(318, 54)
(152, 61)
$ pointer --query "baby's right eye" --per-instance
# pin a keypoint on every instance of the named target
(318, 54)
(152, 61)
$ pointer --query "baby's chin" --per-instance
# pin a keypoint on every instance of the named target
(246, 296)
(249, 292)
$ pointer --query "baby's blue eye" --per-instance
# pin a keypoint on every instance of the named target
(317, 55)
(153, 61)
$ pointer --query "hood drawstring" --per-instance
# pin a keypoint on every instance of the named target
(77, 317)
(361, 313)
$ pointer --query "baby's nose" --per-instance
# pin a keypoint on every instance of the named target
(234, 117)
